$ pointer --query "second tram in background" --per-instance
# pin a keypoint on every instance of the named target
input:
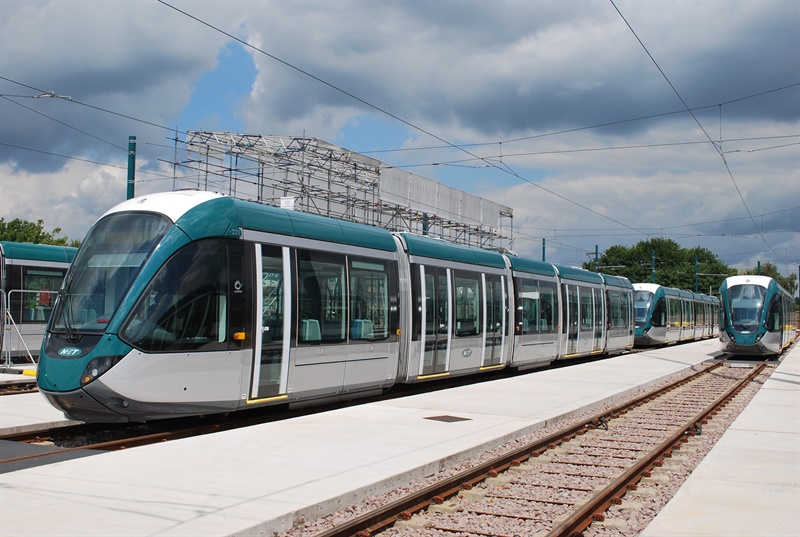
(665, 315)
(758, 316)
(189, 303)
(30, 277)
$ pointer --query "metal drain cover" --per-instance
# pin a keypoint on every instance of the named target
(447, 419)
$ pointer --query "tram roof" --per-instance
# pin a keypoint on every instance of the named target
(37, 252)
(572, 273)
(249, 215)
(422, 246)
(617, 281)
(531, 266)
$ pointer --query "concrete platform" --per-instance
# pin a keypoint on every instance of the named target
(17, 374)
(260, 480)
(26, 412)
(749, 483)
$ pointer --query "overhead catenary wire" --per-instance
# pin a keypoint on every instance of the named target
(505, 168)
(463, 145)
(688, 109)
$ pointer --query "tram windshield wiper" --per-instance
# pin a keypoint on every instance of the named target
(72, 337)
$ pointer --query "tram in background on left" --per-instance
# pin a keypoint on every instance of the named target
(757, 316)
(193, 303)
(30, 277)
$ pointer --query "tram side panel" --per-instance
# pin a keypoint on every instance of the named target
(459, 319)
(619, 300)
(583, 313)
(537, 321)
(343, 308)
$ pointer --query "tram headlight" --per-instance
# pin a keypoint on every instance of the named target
(97, 367)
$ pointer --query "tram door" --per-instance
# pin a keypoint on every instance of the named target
(271, 344)
(571, 318)
(436, 318)
(495, 319)
(598, 339)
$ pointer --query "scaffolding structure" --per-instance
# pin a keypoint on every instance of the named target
(315, 176)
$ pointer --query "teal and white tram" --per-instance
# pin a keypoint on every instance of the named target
(757, 317)
(30, 276)
(664, 315)
(189, 303)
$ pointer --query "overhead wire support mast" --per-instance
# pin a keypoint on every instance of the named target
(319, 177)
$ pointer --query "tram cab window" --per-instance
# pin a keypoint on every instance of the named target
(185, 306)
(103, 270)
(747, 302)
(641, 303)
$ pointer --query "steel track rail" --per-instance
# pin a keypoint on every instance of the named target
(593, 509)
(378, 519)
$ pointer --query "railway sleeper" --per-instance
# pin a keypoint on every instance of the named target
(626, 506)
(610, 524)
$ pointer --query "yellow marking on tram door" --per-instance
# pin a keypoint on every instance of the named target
(267, 399)
(435, 376)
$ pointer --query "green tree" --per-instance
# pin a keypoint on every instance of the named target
(674, 266)
(768, 269)
(19, 230)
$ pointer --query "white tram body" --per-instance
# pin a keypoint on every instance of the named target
(189, 303)
(665, 316)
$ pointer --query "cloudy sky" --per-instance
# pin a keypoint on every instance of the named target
(616, 122)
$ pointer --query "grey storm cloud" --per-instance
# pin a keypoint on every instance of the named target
(467, 72)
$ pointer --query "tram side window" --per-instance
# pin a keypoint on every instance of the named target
(494, 304)
(549, 304)
(322, 304)
(32, 292)
(587, 313)
(619, 304)
(774, 319)
(468, 303)
(659, 317)
(675, 312)
(528, 306)
(369, 299)
(536, 306)
(272, 286)
(185, 306)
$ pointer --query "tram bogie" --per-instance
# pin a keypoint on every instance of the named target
(191, 303)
